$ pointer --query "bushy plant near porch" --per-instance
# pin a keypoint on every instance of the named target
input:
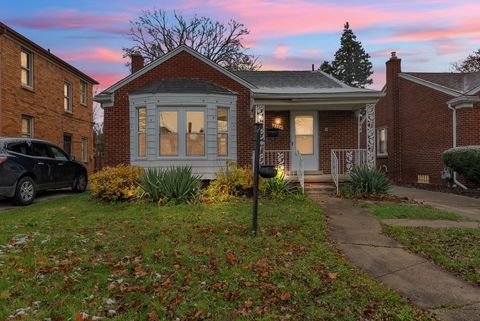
(189, 262)
(366, 181)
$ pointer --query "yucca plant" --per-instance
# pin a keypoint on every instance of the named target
(278, 187)
(367, 181)
(175, 185)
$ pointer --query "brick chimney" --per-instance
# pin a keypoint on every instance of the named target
(137, 61)
(394, 67)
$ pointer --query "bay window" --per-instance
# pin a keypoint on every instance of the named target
(222, 131)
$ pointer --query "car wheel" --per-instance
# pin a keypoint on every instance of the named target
(80, 184)
(25, 191)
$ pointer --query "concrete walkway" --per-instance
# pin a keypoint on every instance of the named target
(462, 205)
(360, 237)
(428, 223)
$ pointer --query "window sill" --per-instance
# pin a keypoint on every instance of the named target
(382, 155)
(68, 112)
(28, 88)
(83, 104)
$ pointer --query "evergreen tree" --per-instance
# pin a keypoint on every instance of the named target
(351, 64)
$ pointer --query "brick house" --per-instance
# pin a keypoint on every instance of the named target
(184, 109)
(44, 97)
(422, 115)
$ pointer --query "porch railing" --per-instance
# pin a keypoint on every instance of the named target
(343, 161)
(289, 161)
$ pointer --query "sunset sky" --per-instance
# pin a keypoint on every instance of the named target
(427, 34)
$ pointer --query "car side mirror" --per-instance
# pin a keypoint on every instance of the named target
(72, 158)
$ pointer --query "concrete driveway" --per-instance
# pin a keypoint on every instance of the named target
(462, 205)
(6, 204)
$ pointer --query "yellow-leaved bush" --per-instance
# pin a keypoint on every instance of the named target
(120, 183)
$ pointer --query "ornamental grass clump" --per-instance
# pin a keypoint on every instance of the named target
(175, 185)
(279, 187)
(118, 183)
(465, 161)
(367, 181)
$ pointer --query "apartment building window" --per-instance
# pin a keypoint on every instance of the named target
(26, 61)
(67, 96)
(67, 143)
(83, 93)
(84, 149)
(222, 131)
(382, 142)
(27, 126)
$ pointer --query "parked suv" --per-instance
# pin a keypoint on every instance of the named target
(31, 165)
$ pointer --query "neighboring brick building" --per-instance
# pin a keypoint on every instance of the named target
(415, 120)
(42, 96)
(184, 109)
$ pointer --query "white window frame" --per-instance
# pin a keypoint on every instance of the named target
(30, 120)
(227, 132)
(182, 131)
(85, 149)
(380, 154)
(83, 92)
(138, 132)
(29, 69)
(69, 108)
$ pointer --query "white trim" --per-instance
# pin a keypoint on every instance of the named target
(167, 56)
(430, 84)
(463, 102)
(473, 91)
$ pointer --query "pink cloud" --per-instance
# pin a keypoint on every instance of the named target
(106, 79)
(73, 19)
(311, 52)
(97, 54)
(281, 51)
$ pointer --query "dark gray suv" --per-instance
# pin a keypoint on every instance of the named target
(31, 165)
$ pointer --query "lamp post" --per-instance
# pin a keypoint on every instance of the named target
(256, 168)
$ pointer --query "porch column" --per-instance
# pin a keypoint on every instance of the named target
(260, 118)
(370, 119)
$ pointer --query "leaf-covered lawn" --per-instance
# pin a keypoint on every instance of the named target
(412, 211)
(456, 249)
(69, 258)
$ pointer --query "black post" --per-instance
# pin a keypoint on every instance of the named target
(256, 167)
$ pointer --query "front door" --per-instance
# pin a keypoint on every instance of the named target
(304, 139)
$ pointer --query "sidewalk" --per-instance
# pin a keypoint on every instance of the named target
(360, 237)
(463, 205)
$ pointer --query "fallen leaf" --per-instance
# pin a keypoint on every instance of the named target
(333, 275)
(153, 316)
(285, 296)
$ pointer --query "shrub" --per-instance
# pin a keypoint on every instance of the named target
(278, 187)
(464, 160)
(367, 181)
(175, 185)
(230, 182)
(118, 183)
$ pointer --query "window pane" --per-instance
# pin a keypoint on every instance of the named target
(142, 119)
(25, 126)
(222, 119)
(142, 145)
(25, 77)
(195, 144)
(304, 125)
(67, 144)
(58, 154)
(168, 144)
(24, 59)
(84, 149)
(41, 150)
(222, 143)
(195, 121)
(304, 144)
(168, 122)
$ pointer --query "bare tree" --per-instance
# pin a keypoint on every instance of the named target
(153, 35)
(470, 64)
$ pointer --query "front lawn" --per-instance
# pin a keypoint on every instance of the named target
(456, 249)
(69, 258)
(412, 211)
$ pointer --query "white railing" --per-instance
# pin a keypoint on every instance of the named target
(343, 161)
(289, 161)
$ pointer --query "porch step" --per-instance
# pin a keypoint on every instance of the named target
(318, 178)
(313, 173)
(319, 188)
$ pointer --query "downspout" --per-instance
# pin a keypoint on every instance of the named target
(454, 137)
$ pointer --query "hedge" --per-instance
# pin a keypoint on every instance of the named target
(464, 160)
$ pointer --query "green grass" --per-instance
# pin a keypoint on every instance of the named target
(411, 211)
(456, 249)
(187, 262)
